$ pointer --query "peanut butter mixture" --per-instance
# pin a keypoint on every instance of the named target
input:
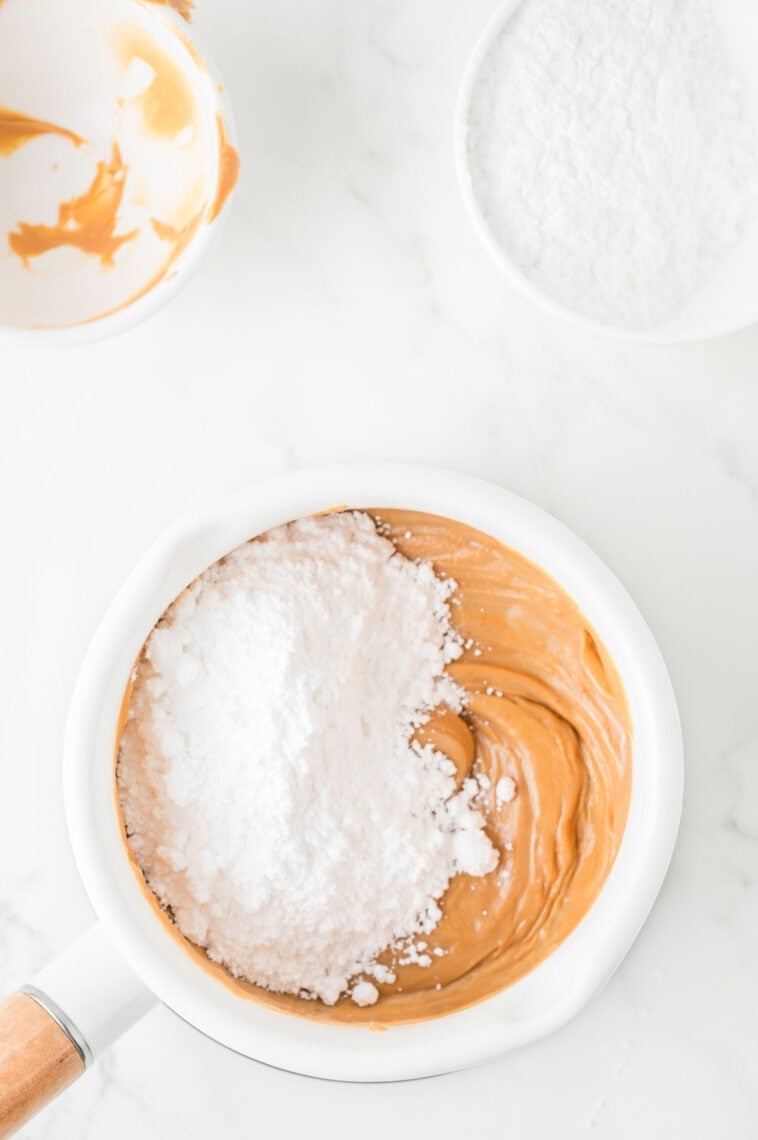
(228, 169)
(185, 8)
(17, 129)
(546, 709)
(88, 222)
(168, 104)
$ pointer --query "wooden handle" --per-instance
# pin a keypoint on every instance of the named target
(37, 1061)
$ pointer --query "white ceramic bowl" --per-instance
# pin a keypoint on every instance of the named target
(92, 73)
(728, 301)
(557, 989)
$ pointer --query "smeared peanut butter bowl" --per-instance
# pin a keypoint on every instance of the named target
(546, 707)
(110, 188)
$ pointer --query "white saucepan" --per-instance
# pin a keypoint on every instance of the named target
(104, 983)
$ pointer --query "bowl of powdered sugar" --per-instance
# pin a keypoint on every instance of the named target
(608, 155)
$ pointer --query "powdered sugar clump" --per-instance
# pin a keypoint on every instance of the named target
(611, 152)
(364, 993)
(269, 784)
(505, 790)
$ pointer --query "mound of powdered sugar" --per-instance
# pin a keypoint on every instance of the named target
(611, 153)
(270, 788)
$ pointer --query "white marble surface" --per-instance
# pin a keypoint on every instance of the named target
(348, 313)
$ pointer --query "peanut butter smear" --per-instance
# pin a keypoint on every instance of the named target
(179, 238)
(16, 130)
(185, 8)
(544, 707)
(87, 223)
(228, 170)
(168, 103)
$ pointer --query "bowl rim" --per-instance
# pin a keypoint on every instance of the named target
(545, 999)
(507, 266)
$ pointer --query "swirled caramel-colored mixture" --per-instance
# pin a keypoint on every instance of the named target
(546, 710)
